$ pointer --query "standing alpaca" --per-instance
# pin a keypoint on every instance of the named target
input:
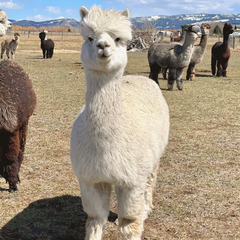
(173, 56)
(17, 102)
(47, 45)
(181, 41)
(4, 23)
(221, 53)
(122, 130)
(198, 52)
(10, 45)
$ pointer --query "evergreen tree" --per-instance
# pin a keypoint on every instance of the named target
(217, 30)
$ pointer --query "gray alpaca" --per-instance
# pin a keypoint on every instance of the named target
(173, 56)
(198, 52)
(182, 39)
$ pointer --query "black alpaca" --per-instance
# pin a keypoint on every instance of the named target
(221, 53)
(46, 45)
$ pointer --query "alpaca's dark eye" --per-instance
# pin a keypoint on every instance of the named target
(90, 39)
(117, 39)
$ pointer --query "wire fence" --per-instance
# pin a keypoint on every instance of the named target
(31, 33)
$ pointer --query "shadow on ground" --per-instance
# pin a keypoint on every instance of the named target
(59, 218)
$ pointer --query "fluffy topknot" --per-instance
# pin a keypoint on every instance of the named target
(105, 21)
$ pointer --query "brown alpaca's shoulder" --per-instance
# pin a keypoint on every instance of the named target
(17, 94)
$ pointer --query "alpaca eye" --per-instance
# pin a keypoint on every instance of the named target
(117, 39)
(90, 39)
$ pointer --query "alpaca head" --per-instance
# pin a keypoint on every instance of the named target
(4, 23)
(227, 29)
(205, 28)
(184, 27)
(105, 34)
(193, 32)
(17, 36)
(42, 35)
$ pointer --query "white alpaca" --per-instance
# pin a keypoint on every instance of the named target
(10, 45)
(122, 130)
(4, 23)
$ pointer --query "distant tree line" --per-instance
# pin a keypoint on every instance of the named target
(34, 29)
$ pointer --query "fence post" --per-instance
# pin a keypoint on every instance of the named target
(28, 33)
(233, 42)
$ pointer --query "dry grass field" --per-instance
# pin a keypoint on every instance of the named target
(198, 189)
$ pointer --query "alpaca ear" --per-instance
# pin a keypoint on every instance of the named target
(83, 12)
(126, 13)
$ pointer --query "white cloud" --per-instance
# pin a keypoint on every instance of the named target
(9, 5)
(38, 18)
(69, 11)
(55, 10)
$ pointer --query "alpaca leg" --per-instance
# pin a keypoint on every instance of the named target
(224, 68)
(191, 72)
(43, 51)
(151, 183)
(213, 65)
(164, 73)
(154, 71)
(12, 54)
(95, 200)
(51, 53)
(179, 73)
(10, 150)
(22, 138)
(171, 78)
(7, 52)
(2, 52)
(131, 211)
(219, 69)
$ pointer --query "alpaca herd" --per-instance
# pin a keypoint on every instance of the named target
(122, 130)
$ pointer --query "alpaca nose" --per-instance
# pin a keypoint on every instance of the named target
(103, 44)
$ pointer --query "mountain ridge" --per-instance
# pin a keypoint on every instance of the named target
(159, 21)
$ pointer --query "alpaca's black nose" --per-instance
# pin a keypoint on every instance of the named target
(102, 45)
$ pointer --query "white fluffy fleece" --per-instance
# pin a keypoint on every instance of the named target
(4, 23)
(122, 130)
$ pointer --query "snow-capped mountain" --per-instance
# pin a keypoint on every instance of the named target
(175, 21)
(161, 21)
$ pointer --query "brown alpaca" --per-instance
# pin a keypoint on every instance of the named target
(221, 53)
(10, 45)
(17, 103)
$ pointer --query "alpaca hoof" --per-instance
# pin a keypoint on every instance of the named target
(13, 189)
(179, 86)
(192, 77)
(170, 87)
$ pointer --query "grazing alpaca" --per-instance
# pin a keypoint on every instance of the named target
(221, 53)
(198, 52)
(4, 23)
(173, 56)
(17, 102)
(10, 45)
(181, 41)
(47, 45)
(122, 130)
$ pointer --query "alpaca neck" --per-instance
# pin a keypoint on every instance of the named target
(103, 100)
(183, 37)
(225, 40)
(187, 48)
(203, 41)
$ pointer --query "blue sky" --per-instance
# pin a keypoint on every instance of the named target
(40, 10)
